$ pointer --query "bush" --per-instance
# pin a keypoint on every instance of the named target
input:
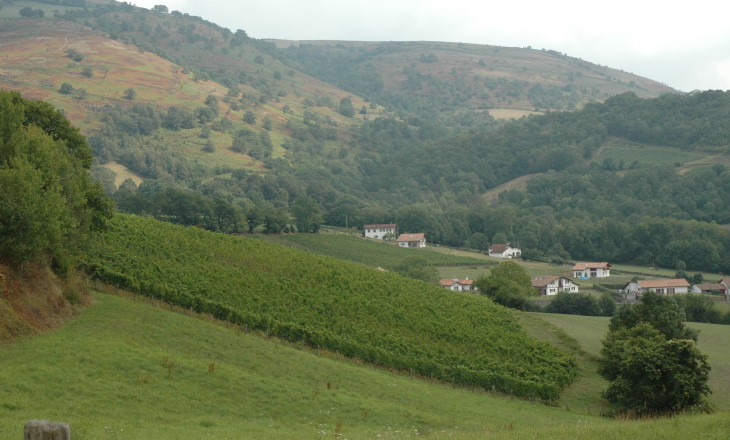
(574, 304)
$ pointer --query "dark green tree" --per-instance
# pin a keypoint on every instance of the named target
(49, 205)
(650, 374)
(507, 284)
(307, 214)
(661, 312)
(346, 108)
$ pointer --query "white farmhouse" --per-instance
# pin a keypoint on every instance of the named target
(662, 287)
(504, 251)
(552, 285)
(412, 240)
(380, 232)
(458, 285)
(591, 270)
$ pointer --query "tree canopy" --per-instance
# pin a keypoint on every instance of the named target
(48, 203)
(651, 359)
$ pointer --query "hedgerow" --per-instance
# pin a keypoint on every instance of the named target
(378, 317)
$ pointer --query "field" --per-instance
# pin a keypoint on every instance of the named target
(628, 155)
(373, 253)
(129, 370)
(588, 332)
(375, 316)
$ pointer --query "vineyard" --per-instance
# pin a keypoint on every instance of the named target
(335, 305)
(369, 252)
(629, 155)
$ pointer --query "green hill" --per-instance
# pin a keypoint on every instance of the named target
(378, 317)
(126, 370)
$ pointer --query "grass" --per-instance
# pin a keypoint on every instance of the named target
(125, 369)
(373, 253)
(588, 331)
(630, 154)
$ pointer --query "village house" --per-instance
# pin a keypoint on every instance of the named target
(380, 232)
(662, 287)
(552, 285)
(726, 282)
(708, 288)
(458, 285)
(412, 240)
(504, 251)
(591, 270)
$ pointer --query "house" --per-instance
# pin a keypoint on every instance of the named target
(552, 285)
(726, 282)
(591, 270)
(708, 288)
(381, 232)
(458, 285)
(662, 287)
(412, 240)
(504, 251)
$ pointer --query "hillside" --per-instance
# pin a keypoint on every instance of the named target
(130, 370)
(377, 317)
(461, 77)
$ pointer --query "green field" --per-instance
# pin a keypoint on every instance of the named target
(588, 331)
(645, 155)
(373, 253)
(379, 317)
(124, 369)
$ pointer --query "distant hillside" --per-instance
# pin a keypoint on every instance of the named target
(459, 76)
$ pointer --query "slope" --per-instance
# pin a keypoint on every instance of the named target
(378, 317)
(128, 370)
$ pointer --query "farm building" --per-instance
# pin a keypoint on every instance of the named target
(662, 287)
(412, 240)
(503, 251)
(552, 285)
(591, 270)
(380, 232)
(458, 285)
(708, 288)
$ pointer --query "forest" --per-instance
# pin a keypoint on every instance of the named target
(572, 207)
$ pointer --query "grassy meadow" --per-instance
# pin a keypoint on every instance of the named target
(126, 369)
(373, 253)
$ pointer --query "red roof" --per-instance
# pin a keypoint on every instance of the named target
(543, 280)
(498, 248)
(584, 266)
(411, 237)
(383, 226)
(658, 284)
(452, 281)
(713, 286)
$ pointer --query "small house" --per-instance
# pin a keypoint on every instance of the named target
(662, 287)
(504, 251)
(708, 288)
(552, 285)
(458, 285)
(585, 271)
(380, 232)
(412, 240)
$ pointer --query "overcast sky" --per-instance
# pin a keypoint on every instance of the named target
(685, 45)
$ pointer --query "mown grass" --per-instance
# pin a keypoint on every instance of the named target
(126, 369)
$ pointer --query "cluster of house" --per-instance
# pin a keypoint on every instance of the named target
(552, 284)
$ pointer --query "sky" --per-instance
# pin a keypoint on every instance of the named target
(685, 45)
